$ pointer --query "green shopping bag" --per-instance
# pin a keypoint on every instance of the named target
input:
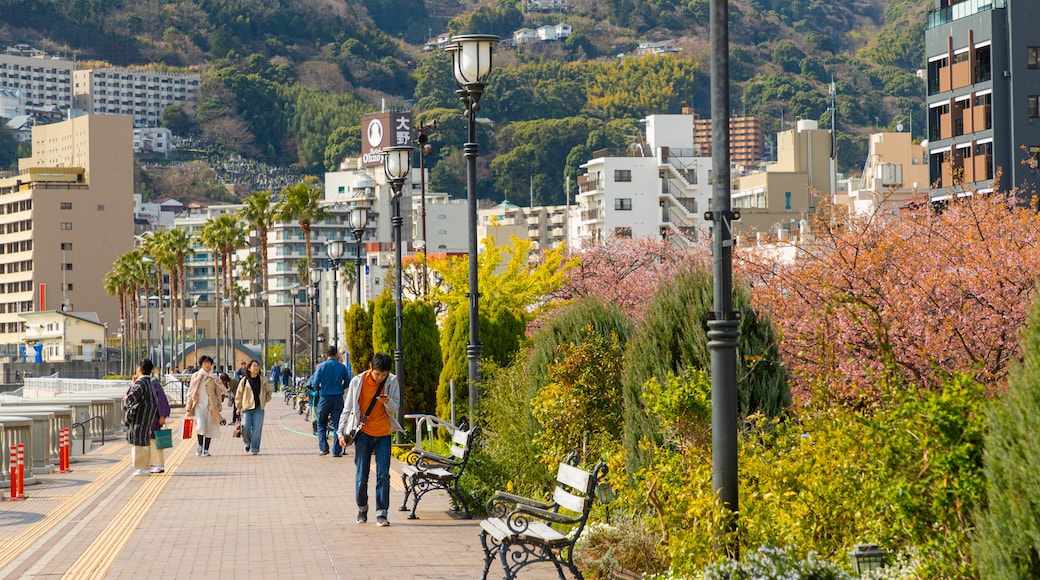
(163, 438)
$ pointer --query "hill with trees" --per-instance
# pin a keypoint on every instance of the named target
(287, 80)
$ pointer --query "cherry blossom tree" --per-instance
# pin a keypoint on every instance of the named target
(627, 272)
(911, 299)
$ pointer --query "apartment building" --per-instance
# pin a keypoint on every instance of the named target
(983, 85)
(659, 188)
(545, 226)
(142, 94)
(895, 172)
(786, 191)
(39, 79)
(64, 219)
(747, 137)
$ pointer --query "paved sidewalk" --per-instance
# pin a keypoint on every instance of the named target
(285, 513)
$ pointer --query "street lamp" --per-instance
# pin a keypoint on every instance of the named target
(162, 339)
(334, 250)
(228, 366)
(195, 329)
(315, 275)
(397, 163)
(867, 557)
(295, 290)
(263, 355)
(471, 65)
(358, 221)
(122, 345)
(424, 149)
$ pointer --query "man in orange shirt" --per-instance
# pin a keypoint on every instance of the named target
(371, 410)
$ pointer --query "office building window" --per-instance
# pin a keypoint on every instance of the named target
(66, 246)
(1034, 106)
(66, 266)
(66, 205)
(101, 207)
(1033, 56)
(66, 225)
(622, 175)
(623, 204)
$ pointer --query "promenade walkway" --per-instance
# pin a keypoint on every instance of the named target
(285, 513)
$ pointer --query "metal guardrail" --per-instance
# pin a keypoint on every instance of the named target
(83, 431)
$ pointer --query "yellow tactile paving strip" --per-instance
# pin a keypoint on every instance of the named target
(103, 551)
(12, 548)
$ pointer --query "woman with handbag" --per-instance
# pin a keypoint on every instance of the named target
(139, 409)
(251, 396)
(203, 404)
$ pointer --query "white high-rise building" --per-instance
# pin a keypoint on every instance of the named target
(658, 188)
(41, 80)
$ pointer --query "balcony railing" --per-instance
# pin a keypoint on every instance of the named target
(960, 10)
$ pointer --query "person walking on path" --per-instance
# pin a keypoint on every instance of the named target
(232, 391)
(330, 380)
(158, 456)
(372, 403)
(251, 397)
(139, 407)
(276, 376)
(204, 398)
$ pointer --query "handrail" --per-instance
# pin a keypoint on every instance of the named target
(83, 431)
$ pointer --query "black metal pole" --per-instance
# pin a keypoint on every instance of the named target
(723, 324)
(399, 262)
(470, 150)
(357, 262)
(335, 302)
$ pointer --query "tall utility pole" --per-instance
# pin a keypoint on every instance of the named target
(723, 322)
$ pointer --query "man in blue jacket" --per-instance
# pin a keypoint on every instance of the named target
(330, 380)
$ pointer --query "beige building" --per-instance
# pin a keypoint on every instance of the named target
(64, 219)
(785, 192)
(896, 170)
(56, 336)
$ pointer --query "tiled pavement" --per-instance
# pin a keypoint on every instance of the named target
(285, 513)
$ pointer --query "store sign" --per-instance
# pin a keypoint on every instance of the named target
(382, 130)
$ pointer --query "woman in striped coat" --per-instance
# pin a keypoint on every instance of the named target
(140, 407)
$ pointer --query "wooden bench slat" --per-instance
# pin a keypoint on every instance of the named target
(574, 477)
(569, 501)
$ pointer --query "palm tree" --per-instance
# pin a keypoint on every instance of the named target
(231, 235)
(209, 237)
(179, 245)
(300, 203)
(260, 213)
(157, 246)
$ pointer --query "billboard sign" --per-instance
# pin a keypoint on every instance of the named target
(380, 130)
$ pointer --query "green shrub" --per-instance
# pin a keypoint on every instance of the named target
(1007, 543)
(673, 337)
(359, 337)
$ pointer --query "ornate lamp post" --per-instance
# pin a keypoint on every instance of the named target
(162, 339)
(397, 163)
(263, 304)
(195, 329)
(471, 64)
(424, 149)
(295, 290)
(122, 345)
(334, 250)
(358, 221)
(313, 292)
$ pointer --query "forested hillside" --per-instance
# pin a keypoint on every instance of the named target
(287, 80)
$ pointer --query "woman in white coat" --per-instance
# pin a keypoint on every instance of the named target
(204, 398)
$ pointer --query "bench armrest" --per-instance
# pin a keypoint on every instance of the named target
(521, 517)
(427, 460)
(503, 502)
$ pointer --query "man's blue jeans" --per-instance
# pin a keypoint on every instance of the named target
(252, 428)
(329, 406)
(364, 446)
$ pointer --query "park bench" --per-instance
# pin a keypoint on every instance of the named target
(426, 471)
(524, 531)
